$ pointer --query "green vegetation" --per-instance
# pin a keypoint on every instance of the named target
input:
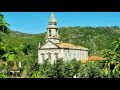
(96, 39)
(63, 69)
(21, 47)
(109, 68)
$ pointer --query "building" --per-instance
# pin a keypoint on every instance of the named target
(95, 58)
(54, 48)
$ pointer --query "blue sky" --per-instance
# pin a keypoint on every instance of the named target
(37, 22)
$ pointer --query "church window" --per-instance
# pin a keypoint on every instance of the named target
(43, 58)
(56, 55)
(49, 55)
(49, 32)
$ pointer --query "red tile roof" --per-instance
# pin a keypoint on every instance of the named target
(95, 58)
(15, 66)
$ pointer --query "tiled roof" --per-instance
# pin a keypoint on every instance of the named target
(95, 58)
(69, 45)
(15, 66)
(65, 45)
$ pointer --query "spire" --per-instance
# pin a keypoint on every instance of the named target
(52, 18)
(52, 33)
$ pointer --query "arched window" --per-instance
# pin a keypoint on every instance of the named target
(56, 55)
(43, 56)
(49, 55)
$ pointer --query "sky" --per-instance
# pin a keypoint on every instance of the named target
(37, 22)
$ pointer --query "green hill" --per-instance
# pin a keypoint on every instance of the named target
(95, 39)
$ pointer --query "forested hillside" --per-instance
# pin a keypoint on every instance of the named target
(95, 39)
(18, 47)
(100, 41)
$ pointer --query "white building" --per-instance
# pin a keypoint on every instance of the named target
(54, 49)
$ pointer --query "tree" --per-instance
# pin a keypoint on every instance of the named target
(4, 29)
(27, 49)
(59, 68)
(68, 70)
(47, 69)
(3, 25)
(71, 68)
(37, 74)
(83, 71)
(111, 66)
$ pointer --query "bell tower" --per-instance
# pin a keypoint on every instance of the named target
(52, 30)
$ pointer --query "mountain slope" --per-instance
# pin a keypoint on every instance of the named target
(95, 39)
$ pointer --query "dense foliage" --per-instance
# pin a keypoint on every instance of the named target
(22, 47)
(109, 68)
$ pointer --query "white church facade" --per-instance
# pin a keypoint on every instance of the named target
(54, 49)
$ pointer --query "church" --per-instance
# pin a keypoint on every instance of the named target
(54, 49)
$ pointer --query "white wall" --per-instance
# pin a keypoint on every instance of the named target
(75, 54)
(66, 54)
(52, 51)
(71, 54)
(84, 55)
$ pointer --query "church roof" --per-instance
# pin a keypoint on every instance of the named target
(52, 18)
(65, 45)
(69, 45)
